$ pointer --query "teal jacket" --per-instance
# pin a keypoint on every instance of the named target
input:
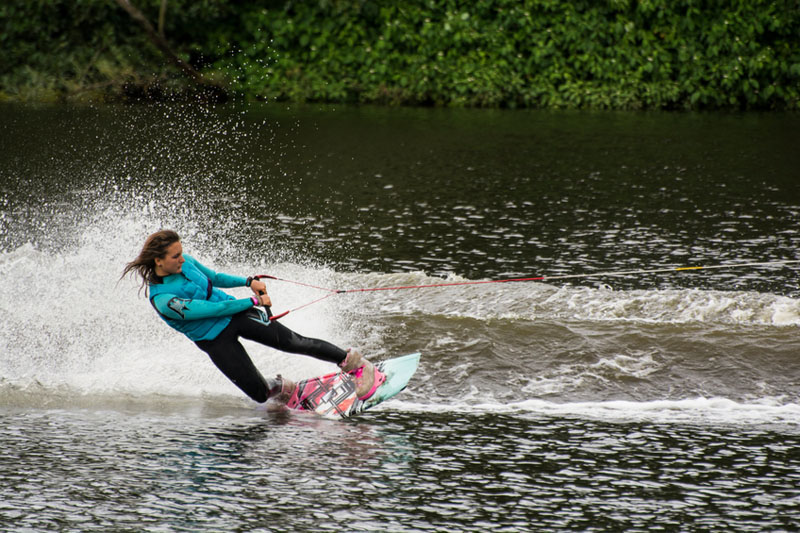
(191, 303)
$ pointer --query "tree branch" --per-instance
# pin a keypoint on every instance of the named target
(162, 14)
(161, 43)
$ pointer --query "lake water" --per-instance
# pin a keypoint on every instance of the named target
(641, 402)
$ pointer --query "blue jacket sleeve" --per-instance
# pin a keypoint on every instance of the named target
(174, 308)
(218, 279)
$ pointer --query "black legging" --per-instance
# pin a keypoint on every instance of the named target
(230, 357)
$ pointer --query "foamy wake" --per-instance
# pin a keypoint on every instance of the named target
(691, 410)
(537, 301)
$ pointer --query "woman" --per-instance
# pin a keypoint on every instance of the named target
(187, 295)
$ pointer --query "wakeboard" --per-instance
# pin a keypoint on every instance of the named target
(334, 395)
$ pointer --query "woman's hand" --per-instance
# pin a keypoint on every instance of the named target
(258, 286)
(264, 299)
(260, 290)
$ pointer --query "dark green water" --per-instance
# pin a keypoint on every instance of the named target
(664, 401)
(477, 193)
(143, 470)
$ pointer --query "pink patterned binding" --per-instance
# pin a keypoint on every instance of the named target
(379, 378)
(336, 388)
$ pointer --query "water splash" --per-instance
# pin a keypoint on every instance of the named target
(67, 229)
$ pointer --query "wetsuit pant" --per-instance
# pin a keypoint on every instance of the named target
(230, 357)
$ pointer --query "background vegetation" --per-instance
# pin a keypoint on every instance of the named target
(622, 54)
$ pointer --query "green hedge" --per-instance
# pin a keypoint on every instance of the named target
(620, 54)
(76, 49)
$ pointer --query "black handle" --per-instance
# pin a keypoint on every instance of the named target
(266, 307)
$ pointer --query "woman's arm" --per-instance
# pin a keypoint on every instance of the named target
(218, 279)
(174, 308)
(223, 280)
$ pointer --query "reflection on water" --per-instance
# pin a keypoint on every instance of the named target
(389, 471)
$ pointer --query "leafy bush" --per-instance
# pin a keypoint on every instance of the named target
(621, 54)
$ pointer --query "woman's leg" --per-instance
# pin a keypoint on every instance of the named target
(275, 334)
(230, 357)
(252, 326)
(228, 354)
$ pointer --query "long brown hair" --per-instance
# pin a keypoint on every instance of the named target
(145, 264)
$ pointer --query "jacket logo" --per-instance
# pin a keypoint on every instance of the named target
(178, 305)
(258, 314)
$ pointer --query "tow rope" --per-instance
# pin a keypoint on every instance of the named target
(332, 292)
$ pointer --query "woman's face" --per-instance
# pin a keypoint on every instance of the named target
(172, 262)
